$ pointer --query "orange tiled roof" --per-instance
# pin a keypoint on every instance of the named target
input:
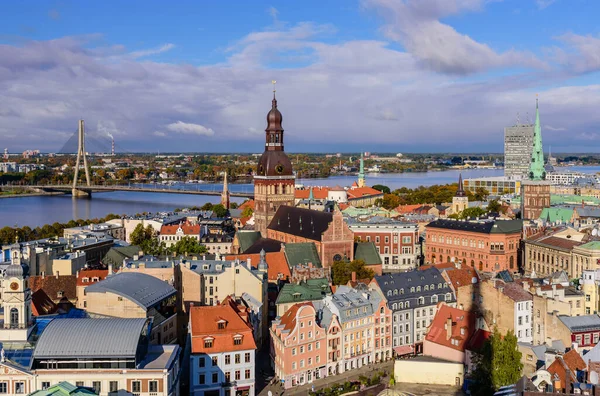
(403, 209)
(462, 277)
(53, 286)
(440, 266)
(359, 192)
(204, 324)
(276, 262)
(248, 204)
(187, 228)
(288, 320)
(90, 274)
(41, 304)
(318, 193)
(572, 360)
(463, 327)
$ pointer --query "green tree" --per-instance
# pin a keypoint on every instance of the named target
(247, 212)
(494, 206)
(207, 206)
(141, 234)
(234, 205)
(481, 194)
(219, 210)
(472, 213)
(187, 245)
(498, 363)
(389, 201)
(382, 188)
(341, 271)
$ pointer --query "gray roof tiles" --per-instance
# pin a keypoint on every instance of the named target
(90, 338)
(144, 290)
(581, 323)
(399, 286)
(481, 226)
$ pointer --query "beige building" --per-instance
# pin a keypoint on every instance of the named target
(589, 283)
(68, 263)
(429, 370)
(137, 295)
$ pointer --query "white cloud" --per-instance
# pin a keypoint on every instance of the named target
(191, 129)
(159, 134)
(152, 51)
(541, 4)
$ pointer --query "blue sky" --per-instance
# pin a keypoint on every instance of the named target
(378, 75)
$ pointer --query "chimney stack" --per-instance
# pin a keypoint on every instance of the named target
(353, 276)
(449, 327)
(110, 269)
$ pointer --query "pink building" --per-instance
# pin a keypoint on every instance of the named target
(449, 333)
(298, 346)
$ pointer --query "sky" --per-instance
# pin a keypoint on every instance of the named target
(352, 75)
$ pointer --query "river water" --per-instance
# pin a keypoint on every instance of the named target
(37, 211)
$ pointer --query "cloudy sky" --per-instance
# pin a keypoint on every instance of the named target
(372, 75)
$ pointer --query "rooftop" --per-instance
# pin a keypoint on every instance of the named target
(310, 290)
(480, 226)
(305, 223)
(144, 290)
(90, 338)
(581, 323)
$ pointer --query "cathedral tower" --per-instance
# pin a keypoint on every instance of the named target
(535, 192)
(361, 172)
(274, 182)
(225, 197)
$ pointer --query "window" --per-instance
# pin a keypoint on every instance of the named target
(227, 359)
(136, 386)
(201, 379)
(19, 387)
(153, 386)
(247, 357)
(215, 378)
(113, 386)
(79, 384)
(237, 375)
(293, 351)
(214, 360)
(237, 341)
(201, 362)
(208, 343)
(221, 324)
(237, 358)
(96, 386)
(228, 376)
(246, 374)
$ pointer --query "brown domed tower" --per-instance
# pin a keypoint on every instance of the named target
(274, 181)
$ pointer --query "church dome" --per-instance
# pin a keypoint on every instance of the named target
(274, 118)
(17, 271)
(274, 163)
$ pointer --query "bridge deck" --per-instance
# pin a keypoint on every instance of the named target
(68, 188)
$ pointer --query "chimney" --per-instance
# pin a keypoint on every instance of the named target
(110, 269)
(136, 257)
(574, 346)
(249, 261)
(57, 274)
(43, 275)
(353, 276)
(77, 274)
(449, 327)
(567, 379)
(458, 264)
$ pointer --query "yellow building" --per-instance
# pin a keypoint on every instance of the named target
(429, 370)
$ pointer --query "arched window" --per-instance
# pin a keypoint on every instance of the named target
(434, 298)
(412, 289)
(426, 288)
(511, 262)
(418, 288)
(381, 310)
(389, 293)
(401, 306)
(421, 301)
(14, 317)
(401, 291)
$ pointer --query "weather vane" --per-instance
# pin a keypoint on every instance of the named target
(273, 82)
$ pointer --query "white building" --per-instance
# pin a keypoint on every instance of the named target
(222, 360)
(524, 320)
(518, 144)
(564, 178)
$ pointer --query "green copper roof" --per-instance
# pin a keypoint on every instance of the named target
(367, 252)
(553, 215)
(536, 168)
(593, 245)
(247, 239)
(302, 253)
(116, 255)
(64, 389)
(311, 290)
(556, 199)
(352, 211)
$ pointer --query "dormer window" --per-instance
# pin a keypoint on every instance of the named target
(237, 340)
(85, 280)
(221, 324)
(208, 342)
(95, 279)
(60, 294)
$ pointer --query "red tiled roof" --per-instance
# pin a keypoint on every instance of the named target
(248, 204)
(89, 275)
(514, 291)
(187, 228)
(477, 339)
(318, 193)
(561, 243)
(462, 277)
(56, 287)
(359, 192)
(463, 327)
(278, 267)
(41, 304)
(440, 266)
(572, 360)
(403, 209)
(204, 324)
(288, 320)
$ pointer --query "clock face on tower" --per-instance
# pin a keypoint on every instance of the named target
(14, 286)
(279, 169)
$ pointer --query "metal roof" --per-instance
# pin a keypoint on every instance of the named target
(144, 290)
(90, 338)
(581, 323)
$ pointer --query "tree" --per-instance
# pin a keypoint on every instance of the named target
(494, 206)
(481, 194)
(389, 201)
(382, 188)
(207, 206)
(341, 271)
(497, 364)
(233, 205)
(140, 234)
(247, 212)
(187, 245)
(472, 213)
(219, 210)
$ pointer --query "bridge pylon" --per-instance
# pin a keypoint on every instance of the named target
(81, 157)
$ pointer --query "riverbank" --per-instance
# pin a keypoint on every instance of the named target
(32, 194)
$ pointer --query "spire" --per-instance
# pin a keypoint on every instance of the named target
(536, 168)
(311, 196)
(361, 172)
(225, 196)
(262, 264)
(461, 191)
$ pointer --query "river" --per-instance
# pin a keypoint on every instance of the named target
(40, 210)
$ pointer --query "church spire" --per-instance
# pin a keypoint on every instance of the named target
(225, 194)
(461, 191)
(361, 172)
(536, 168)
